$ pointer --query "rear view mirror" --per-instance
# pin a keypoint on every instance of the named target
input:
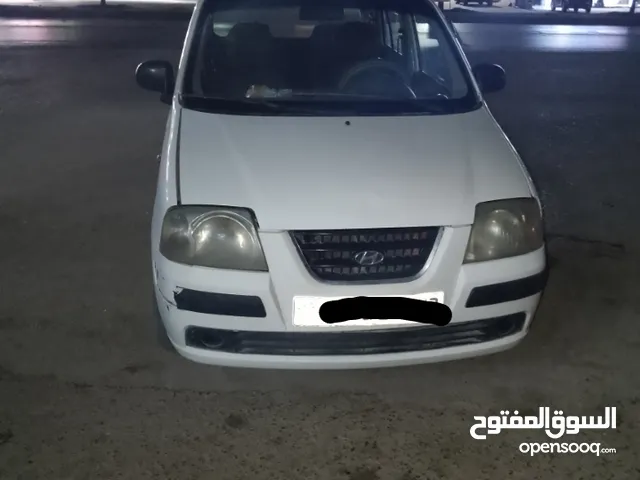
(491, 77)
(156, 76)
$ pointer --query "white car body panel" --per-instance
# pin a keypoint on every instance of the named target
(318, 172)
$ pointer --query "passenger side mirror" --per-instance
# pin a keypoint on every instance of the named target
(491, 77)
(157, 76)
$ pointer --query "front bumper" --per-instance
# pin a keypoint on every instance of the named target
(244, 319)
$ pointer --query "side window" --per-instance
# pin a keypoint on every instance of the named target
(431, 57)
(436, 55)
(395, 25)
(427, 37)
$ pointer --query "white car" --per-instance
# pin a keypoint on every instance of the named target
(317, 151)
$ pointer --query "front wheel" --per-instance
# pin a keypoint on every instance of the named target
(588, 9)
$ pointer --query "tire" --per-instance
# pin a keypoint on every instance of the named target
(553, 5)
(565, 7)
(588, 9)
(575, 9)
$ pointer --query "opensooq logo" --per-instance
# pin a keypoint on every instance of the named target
(555, 427)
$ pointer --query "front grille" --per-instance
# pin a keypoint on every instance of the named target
(394, 253)
(411, 339)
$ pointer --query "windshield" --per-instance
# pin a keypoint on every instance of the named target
(335, 57)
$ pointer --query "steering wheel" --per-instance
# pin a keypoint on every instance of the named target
(362, 70)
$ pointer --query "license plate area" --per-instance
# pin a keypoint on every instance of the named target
(306, 313)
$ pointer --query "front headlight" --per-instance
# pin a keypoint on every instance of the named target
(216, 237)
(505, 228)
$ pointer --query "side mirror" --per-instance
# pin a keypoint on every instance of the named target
(491, 77)
(157, 76)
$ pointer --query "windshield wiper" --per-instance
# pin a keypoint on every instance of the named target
(377, 103)
(337, 96)
(243, 105)
(304, 105)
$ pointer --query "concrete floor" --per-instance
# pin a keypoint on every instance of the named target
(85, 392)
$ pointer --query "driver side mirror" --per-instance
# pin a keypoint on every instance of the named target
(491, 77)
(157, 76)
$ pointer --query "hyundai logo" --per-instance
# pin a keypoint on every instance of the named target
(368, 258)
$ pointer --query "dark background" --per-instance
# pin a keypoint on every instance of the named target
(85, 392)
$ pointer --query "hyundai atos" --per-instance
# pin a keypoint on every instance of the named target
(325, 150)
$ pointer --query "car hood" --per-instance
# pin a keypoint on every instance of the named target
(337, 173)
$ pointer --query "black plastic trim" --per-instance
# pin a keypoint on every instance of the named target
(508, 291)
(360, 342)
(429, 245)
(219, 303)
